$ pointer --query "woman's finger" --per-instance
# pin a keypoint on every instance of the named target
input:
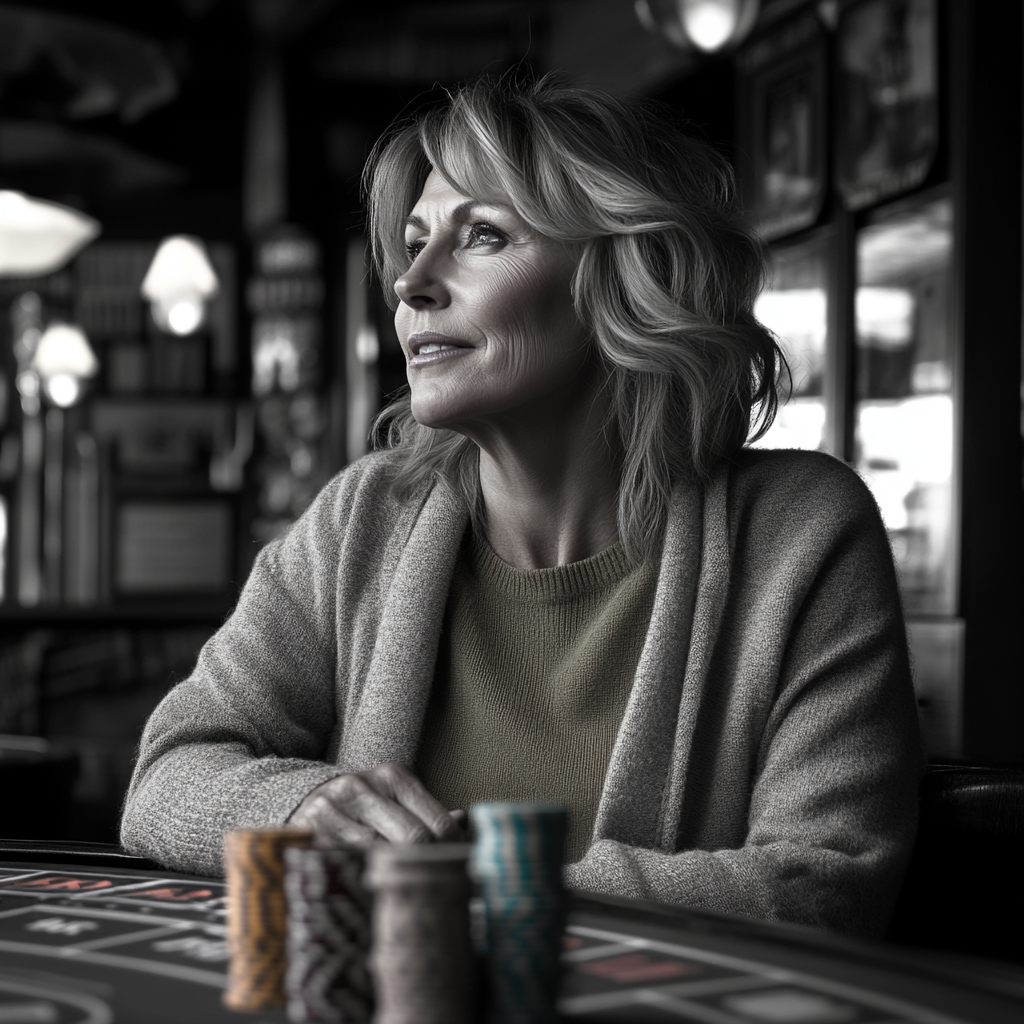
(384, 813)
(330, 824)
(409, 792)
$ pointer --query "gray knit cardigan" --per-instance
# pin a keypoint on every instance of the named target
(768, 760)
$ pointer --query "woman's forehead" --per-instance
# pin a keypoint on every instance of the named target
(438, 191)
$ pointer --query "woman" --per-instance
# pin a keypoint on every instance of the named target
(565, 577)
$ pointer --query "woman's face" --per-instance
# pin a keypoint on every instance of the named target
(486, 317)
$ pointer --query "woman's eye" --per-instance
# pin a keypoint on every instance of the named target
(414, 249)
(486, 234)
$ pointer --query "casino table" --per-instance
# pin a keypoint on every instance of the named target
(89, 936)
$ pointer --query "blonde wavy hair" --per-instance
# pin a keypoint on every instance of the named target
(667, 277)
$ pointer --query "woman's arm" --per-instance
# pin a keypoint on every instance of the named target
(242, 740)
(806, 758)
(831, 822)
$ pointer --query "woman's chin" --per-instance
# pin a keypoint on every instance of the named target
(431, 414)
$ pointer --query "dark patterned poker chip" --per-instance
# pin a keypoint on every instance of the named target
(421, 958)
(517, 861)
(257, 918)
(327, 979)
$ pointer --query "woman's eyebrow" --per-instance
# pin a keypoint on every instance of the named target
(458, 213)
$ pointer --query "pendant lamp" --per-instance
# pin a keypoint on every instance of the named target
(38, 237)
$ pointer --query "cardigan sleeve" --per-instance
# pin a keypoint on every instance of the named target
(241, 741)
(812, 699)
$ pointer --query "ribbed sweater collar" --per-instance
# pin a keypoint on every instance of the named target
(557, 583)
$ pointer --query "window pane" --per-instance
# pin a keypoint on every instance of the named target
(904, 411)
(795, 307)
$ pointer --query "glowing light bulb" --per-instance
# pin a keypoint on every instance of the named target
(185, 316)
(709, 24)
(63, 389)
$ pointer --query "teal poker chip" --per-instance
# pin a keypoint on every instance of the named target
(517, 863)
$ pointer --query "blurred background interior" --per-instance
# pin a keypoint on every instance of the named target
(190, 345)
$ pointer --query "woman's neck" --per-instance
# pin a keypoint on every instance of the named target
(550, 489)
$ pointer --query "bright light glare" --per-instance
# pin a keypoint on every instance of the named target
(63, 389)
(710, 23)
(185, 315)
(885, 315)
(800, 423)
(3, 544)
(795, 314)
(913, 439)
(367, 344)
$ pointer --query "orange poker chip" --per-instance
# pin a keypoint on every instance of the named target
(257, 914)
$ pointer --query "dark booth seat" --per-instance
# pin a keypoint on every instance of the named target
(36, 780)
(964, 890)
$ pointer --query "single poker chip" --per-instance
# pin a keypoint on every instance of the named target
(421, 958)
(517, 861)
(257, 916)
(327, 979)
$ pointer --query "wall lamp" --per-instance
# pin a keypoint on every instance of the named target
(64, 360)
(179, 284)
(711, 26)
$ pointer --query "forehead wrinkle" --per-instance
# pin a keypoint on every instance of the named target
(460, 212)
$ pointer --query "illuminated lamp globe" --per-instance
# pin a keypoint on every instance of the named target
(62, 389)
(64, 360)
(178, 284)
(716, 25)
(711, 26)
(38, 237)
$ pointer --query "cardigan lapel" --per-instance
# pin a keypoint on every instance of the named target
(646, 751)
(705, 631)
(387, 722)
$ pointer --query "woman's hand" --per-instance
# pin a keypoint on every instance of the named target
(386, 803)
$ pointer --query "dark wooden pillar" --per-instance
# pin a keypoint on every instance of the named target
(985, 88)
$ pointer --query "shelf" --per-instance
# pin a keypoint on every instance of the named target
(209, 611)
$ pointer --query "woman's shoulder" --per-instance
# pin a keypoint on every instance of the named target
(362, 497)
(370, 478)
(782, 469)
(794, 484)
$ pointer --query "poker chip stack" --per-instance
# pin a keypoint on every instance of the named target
(517, 861)
(421, 958)
(328, 979)
(257, 918)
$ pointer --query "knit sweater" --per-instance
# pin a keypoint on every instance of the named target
(532, 680)
(768, 758)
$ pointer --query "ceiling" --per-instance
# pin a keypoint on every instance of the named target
(107, 103)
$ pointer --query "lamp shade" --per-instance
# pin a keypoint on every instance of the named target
(180, 267)
(39, 237)
(64, 348)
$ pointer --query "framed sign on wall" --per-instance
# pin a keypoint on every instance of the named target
(887, 102)
(782, 124)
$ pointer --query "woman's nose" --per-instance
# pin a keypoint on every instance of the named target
(422, 286)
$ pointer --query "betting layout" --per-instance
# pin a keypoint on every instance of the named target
(613, 976)
(84, 947)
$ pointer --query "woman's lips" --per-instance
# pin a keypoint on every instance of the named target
(428, 348)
